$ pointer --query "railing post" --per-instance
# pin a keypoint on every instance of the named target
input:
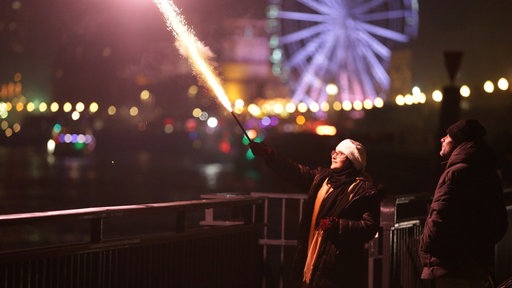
(180, 222)
(96, 230)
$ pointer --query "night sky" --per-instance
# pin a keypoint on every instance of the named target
(110, 48)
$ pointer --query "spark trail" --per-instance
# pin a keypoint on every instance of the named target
(191, 48)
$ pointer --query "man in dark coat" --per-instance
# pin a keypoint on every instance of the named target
(340, 215)
(467, 216)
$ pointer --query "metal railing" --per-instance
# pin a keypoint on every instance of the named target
(282, 213)
(224, 240)
(114, 247)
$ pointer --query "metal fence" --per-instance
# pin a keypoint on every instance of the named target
(181, 254)
(224, 240)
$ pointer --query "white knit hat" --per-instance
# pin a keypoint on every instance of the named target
(355, 152)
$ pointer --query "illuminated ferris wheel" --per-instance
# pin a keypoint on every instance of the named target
(318, 43)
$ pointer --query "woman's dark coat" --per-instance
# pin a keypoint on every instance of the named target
(342, 258)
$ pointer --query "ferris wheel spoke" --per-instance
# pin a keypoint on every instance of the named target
(304, 53)
(315, 70)
(374, 65)
(383, 32)
(301, 16)
(320, 66)
(375, 45)
(358, 83)
(367, 69)
(304, 34)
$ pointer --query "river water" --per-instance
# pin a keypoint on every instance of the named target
(31, 180)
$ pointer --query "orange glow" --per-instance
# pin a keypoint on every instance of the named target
(190, 47)
(327, 130)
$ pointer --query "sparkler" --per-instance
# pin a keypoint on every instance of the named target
(198, 54)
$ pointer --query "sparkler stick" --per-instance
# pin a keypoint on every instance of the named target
(241, 126)
(197, 54)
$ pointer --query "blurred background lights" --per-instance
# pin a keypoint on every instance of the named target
(79, 107)
(300, 120)
(337, 106)
(264, 113)
(314, 107)
(278, 108)
(8, 132)
(331, 89)
(488, 86)
(196, 112)
(252, 134)
(254, 110)
(57, 128)
(16, 127)
(465, 91)
(325, 130)
(134, 111)
(54, 107)
(358, 105)
(43, 107)
(93, 107)
(203, 116)
(168, 125)
(290, 107)
(347, 105)
(50, 146)
(437, 96)
(192, 91)
(239, 105)
(30, 107)
(67, 107)
(265, 121)
(400, 100)
(368, 104)
(302, 107)
(378, 102)
(111, 110)
(324, 106)
(4, 125)
(276, 56)
(503, 84)
(409, 100)
(212, 122)
(145, 95)
(75, 115)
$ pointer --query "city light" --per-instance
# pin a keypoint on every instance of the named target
(400, 100)
(465, 91)
(488, 86)
(268, 112)
(503, 84)
(325, 130)
(437, 96)
(347, 105)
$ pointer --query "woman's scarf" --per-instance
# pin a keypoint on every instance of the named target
(339, 177)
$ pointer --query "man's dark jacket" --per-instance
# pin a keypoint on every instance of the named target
(467, 216)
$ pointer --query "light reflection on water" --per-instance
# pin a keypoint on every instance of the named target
(211, 172)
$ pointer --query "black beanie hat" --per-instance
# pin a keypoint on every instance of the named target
(466, 130)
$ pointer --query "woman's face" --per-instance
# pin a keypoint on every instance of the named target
(338, 159)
